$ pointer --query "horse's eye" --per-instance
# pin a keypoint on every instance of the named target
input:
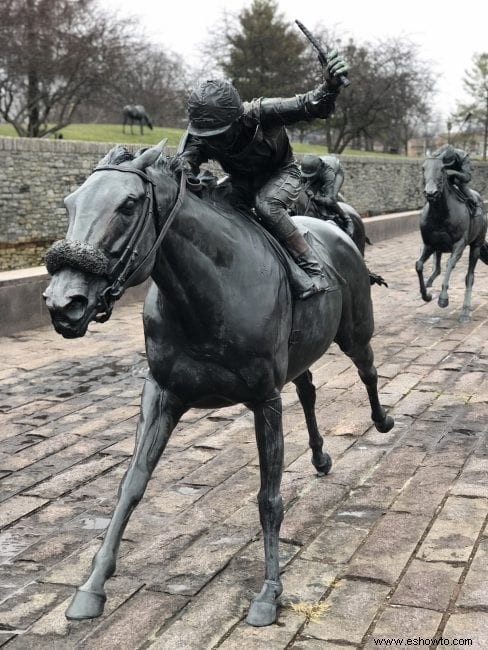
(128, 207)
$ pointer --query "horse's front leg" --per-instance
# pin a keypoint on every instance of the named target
(457, 251)
(269, 436)
(436, 269)
(160, 412)
(474, 254)
(425, 253)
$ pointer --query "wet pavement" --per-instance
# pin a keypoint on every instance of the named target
(391, 545)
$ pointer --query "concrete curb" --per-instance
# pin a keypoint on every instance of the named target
(23, 308)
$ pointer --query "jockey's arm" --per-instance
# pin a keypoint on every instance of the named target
(193, 155)
(323, 200)
(319, 102)
(462, 176)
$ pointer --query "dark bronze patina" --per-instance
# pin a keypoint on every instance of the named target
(322, 178)
(221, 328)
(447, 225)
(250, 141)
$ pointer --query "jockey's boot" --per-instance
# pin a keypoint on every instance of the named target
(343, 220)
(474, 208)
(306, 260)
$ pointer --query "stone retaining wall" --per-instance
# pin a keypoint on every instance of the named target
(35, 176)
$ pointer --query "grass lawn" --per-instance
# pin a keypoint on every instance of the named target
(112, 133)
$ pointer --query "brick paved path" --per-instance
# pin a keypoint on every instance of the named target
(392, 544)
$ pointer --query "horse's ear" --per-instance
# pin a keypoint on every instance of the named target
(149, 156)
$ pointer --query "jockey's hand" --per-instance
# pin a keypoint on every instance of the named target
(336, 66)
(182, 164)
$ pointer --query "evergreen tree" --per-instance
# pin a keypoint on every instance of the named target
(264, 57)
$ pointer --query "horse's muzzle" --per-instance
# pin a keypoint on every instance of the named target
(432, 195)
(74, 298)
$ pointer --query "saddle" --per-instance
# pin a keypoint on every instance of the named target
(213, 191)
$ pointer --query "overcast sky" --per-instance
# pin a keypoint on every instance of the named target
(448, 35)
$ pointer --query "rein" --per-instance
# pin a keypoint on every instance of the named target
(119, 284)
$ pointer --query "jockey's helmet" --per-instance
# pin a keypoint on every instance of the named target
(310, 165)
(213, 106)
(449, 155)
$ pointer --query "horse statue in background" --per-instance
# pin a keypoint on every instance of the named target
(221, 325)
(446, 226)
(135, 113)
(305, 205)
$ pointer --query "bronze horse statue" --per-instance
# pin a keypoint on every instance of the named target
(135, 113)
(446, 226)
(220, 322)
(304, 205)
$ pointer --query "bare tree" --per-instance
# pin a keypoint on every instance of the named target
(155, 78)
(54, 55)
(475, 112)
(388, 99)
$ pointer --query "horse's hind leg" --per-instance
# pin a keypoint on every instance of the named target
(363, 359)
(474, 254)
(160, 412)
(457, 251)
(307, 395)
(436, 269)
(269, 437)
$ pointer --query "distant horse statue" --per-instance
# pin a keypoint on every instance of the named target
(135, 113)
(447, 227)
(304, 205)
(220, 322)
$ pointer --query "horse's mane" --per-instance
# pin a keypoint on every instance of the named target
(116, 156)
(121, 154)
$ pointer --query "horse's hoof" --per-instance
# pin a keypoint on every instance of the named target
(385, 425)
(464, 318)
(324, 464)
(261, 613)
(443, 302)
(426, 297)
(86, 604)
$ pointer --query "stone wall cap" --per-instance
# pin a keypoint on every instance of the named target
(20, 276)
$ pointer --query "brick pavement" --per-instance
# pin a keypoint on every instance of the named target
(392, 544)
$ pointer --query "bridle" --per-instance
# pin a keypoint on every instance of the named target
(120, 279)
(82, 255)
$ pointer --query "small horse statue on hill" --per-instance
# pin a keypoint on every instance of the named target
(447, 226)
(135, 113)
(221, 325)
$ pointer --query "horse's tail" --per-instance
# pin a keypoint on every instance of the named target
(374, 278)
(484, 253)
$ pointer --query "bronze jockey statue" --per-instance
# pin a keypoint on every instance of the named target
(323, 177)
(458, 168)
(250, 141)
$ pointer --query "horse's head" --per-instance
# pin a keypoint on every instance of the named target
(109, 244)
(434, 179)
